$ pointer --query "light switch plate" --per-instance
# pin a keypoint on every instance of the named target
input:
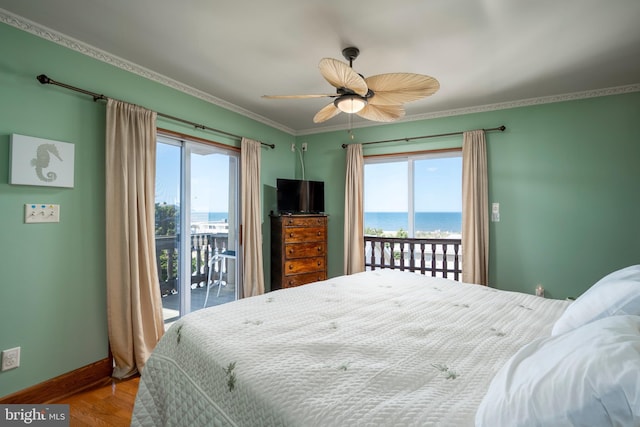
(41, 212)
(495, 212)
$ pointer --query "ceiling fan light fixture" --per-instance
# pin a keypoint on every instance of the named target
(350, 103)
(387, 92)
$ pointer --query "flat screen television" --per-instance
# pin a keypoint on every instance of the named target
(296, 196)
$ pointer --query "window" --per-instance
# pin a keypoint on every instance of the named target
(414, 196)
(196, 225)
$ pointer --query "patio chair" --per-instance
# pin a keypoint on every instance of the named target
(218, 260)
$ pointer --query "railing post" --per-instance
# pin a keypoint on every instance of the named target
(456, 264)
(433, 259)
(373, 254)
(445, 261)
(412, 257)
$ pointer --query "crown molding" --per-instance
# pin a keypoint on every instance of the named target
(85, 49)
(100, 55)
(530, 101)
(619, 90)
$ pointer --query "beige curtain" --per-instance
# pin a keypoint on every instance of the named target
(253, 272)
(354, 211)
(134, 306)
(475, 209)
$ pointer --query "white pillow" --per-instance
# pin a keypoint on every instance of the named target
(616, 293)
(587, 377)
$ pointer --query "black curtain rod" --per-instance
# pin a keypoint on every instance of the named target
(42, 78)
(500, 128)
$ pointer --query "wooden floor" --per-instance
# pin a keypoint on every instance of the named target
(108, 404)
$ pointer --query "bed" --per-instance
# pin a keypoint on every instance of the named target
(380, 348)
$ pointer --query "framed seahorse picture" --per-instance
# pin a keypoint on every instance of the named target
(37, 161)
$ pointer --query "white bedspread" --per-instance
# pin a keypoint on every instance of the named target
(381, 348)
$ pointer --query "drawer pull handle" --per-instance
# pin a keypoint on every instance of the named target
(290, 234)
(290, 251)
(319, 263)
(290, 267)
(319, 248)
(319, 233)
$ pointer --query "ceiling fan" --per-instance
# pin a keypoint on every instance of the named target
(378, 98)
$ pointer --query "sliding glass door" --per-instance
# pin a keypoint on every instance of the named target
(196, 225)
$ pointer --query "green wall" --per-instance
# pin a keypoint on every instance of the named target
(566, 176)
(52, 285)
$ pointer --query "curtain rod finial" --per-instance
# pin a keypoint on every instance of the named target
(42, 78)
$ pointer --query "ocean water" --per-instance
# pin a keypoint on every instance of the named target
(209, 216)
(387, 221)
(424, 221)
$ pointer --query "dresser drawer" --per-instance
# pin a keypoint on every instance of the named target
(301, 221)
(304, 234)
(304, 265)
(303, 279)
(304, 250)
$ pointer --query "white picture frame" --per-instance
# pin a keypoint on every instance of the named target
(41, 162)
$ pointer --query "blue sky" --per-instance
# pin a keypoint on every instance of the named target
(209, 179)
(167, 174)
(438, 186)
(438, 183)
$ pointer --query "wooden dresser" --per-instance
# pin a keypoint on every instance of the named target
(298, 250)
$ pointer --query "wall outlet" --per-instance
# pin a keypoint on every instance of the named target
(10, 358)
(293, 148)
(304, 146)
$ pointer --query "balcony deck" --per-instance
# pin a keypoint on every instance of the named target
(170, 303)
(203, 247)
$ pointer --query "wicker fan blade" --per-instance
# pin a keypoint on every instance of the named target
(398, 88)
(382, 113)
(340, 75)
(326, 113)
(298, 96)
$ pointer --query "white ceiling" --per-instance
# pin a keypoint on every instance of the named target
(487, 54)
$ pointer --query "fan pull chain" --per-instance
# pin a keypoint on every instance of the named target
(350, 131)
